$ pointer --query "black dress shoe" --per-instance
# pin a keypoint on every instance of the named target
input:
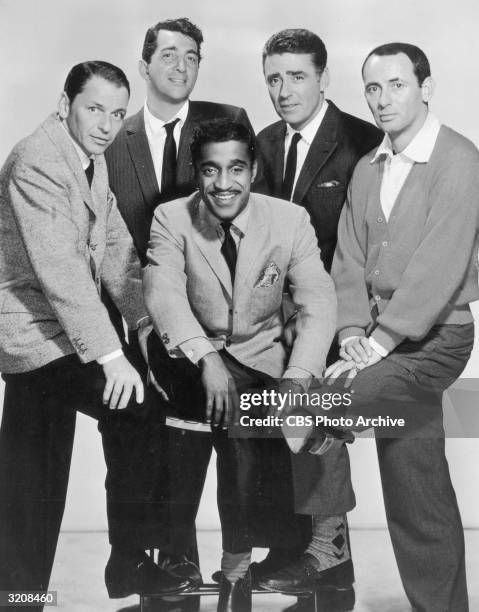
(271, 563)
(235, 597)
(181, 566)
(136, 573)
(302, 576)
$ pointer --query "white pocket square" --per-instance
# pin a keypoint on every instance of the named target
(269, 276)
(332, 183)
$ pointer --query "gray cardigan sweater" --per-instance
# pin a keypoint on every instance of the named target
(420, 266)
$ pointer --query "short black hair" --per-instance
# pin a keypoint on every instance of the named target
(80, 74)
(297, 40)
(221, 130)
(420, 63)
(182, 25)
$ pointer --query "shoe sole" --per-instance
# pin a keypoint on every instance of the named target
(117, 592)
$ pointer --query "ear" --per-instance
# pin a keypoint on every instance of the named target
(324, 79)
(427, 87)
(254, 170)
(144, 70)
(63, 106)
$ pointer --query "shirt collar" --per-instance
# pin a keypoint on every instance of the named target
(421, 146)
(309, 131)
(240, 223)
(156, 125)
(84, 158)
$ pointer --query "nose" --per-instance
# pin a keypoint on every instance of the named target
(284, 91)
(180, 64)
(105, 123)
(222, 181)
(384, 98)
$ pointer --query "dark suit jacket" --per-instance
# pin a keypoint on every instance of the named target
(321, 187)
(131, 171)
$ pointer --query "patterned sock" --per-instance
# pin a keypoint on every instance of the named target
(234, 566)
(329, 542)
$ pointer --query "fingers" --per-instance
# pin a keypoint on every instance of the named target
(338, 368)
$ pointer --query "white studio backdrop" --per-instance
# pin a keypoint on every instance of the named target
(40, 41)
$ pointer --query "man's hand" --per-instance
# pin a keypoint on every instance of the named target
(358, 349)
(121, 379)
(222, 403)
(352, 367)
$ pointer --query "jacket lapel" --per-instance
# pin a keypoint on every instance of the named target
(322, 147)
(140, 154)
(277, 155)
(184, 169)
(207, 239)
(57, 134)
(252, 244)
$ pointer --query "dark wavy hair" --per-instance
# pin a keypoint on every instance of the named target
(80, 74)
(297, 41)
(181, 25)
(221, 130)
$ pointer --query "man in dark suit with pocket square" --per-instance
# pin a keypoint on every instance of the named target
(308, 158)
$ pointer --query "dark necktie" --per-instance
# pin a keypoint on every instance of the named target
(290, 172)
(90, 171)
(228, 249)
(168, 169)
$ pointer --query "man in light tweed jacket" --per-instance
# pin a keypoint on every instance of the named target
(61, 238)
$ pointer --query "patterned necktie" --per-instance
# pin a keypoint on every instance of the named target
(228, 249)
(168, 169)
(290, 172)
(90, 171)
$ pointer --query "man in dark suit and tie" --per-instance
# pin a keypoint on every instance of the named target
(150, 163)
(308, 157)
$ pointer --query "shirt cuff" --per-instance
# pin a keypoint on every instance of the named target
(380, 350)
(143, 322)
(386, 338)
(196, 348)
(302, 377)
(109, 357)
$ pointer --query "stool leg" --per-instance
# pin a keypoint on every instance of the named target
(142, 603)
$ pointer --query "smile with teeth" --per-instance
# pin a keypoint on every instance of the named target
(225, 196)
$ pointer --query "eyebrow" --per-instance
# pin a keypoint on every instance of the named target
(232, 162)
(100, 105)
(173, 48)
(393, 80)
(288, 72)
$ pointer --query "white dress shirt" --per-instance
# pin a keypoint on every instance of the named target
(156, 135)
(307, 136)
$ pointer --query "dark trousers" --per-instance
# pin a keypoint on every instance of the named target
(421, 507)
(36, 439)
(255, 493)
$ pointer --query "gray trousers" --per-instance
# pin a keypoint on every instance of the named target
(421, 507)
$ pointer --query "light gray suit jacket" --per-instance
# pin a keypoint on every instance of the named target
(59, 241)
(189, 294)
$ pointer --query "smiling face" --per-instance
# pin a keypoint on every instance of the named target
(295, 86)
(224, 173)
(395, 97)
(173, 68)
(95, 115)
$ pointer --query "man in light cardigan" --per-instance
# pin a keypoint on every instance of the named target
(405, 272)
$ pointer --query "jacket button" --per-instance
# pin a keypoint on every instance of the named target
(380, 219)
